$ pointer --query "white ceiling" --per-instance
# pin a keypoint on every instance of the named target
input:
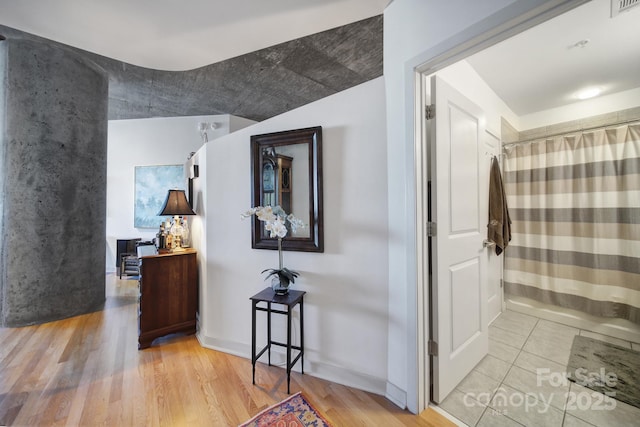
(536, 70)
(541, 68)
(180, 34)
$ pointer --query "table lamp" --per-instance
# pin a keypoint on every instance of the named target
(176, 204)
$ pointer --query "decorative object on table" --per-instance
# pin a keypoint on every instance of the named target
(186, 233)
(606, 368)
(277, 223)
(161, 238)
(176, 204)
(151, 183)
(293, 411)
(286, 171)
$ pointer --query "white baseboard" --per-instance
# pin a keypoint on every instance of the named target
(396, 395)
(229, 347)
(340, 375)
(312, 366)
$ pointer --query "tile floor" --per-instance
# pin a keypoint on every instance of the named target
(520, 382)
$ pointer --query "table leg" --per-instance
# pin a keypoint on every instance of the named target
(253, 340)
(288, 348)
(302, 335)
(269, 331)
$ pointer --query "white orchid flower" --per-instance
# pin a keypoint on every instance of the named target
(295, 223)
(276, 228)
(266, 214)
(275, 219)
(248, 213)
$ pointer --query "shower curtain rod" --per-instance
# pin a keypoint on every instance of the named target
(542, 138)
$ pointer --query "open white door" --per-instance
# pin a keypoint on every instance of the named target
(458, 288)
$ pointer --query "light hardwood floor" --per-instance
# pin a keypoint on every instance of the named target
(87, 370)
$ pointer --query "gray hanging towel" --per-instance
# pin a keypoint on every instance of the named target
(499, 227)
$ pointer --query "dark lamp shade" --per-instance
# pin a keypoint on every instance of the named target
(176, 204)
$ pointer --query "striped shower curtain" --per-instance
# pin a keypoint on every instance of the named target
(575, 205)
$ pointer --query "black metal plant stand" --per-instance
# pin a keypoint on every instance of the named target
(289, 300)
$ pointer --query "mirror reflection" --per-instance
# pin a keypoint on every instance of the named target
(285, 181)
(287, 171)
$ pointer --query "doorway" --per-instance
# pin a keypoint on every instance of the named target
(436, 65)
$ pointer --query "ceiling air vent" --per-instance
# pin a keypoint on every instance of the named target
(618, 6)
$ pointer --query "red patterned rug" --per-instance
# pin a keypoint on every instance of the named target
(294, 411)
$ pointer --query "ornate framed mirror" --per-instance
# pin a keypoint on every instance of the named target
(287, 171)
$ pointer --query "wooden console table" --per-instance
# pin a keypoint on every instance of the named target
(168, 295)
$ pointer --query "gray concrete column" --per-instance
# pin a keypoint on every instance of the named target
(53, 162)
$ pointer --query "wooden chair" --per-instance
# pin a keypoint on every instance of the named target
(129, 258)
(130, 264)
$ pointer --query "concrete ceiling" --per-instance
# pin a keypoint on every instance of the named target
(256, 85)
(545, 67)
(250, 57)
(180, 35)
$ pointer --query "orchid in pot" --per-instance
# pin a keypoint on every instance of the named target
(276, 220)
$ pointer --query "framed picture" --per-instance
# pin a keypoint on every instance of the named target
(151, 186)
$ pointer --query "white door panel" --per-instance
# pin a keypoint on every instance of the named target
(465, 311)
(464, 203)
(458, 288)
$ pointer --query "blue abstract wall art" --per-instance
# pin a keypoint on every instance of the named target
(151, 186)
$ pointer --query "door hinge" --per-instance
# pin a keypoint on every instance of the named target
(431, 229)
(432, 348)
(429, 111)
(501, 283)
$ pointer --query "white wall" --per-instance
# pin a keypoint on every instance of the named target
(411, 29)
(346, 301)
(465, 80)
(417, 31)
(198, 224)
(144, 142)
(580, 110)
